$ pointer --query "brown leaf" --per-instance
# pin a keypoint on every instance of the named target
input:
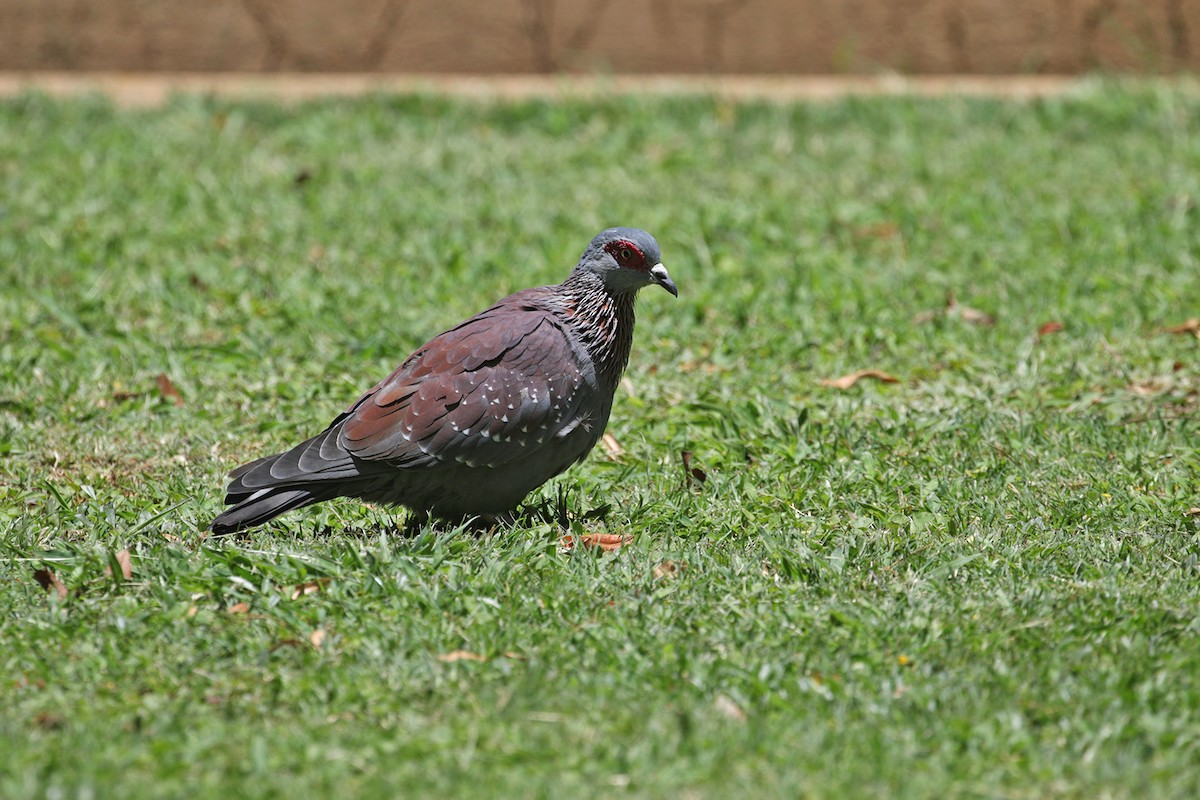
(729, 709)
(49, 721)
(878, 230)
(238, 608)
(460, 655)
(694, 474)
(668, 569)
(1192, 512)
(311, 587)
(168, 390)
(191, 612)
(847, 381)
(124, 563)
(317, 638)
(972, 315)
(1191, 326)
(605, 541)
(953, 308)
(612, 447)
(1148, 388)
(48, 580)
(1047, 328)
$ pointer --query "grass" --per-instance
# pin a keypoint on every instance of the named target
(981, 581)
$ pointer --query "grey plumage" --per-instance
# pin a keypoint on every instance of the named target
(483, 413)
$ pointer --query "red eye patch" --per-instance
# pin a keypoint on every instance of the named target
(627, 254)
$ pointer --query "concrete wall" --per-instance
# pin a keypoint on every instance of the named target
(628, 36)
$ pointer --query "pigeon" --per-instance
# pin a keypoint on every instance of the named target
(480, 415)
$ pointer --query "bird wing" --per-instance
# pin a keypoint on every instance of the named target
(484, 393)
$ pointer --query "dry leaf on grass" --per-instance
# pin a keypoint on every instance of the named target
(311, 587)
(460, 655)
(315, 639)
(604, 541)
(49, 721)
(168, 390)
(612, 448)
(1192, 512)
(48, 580)
(668, 569)
(953, 308)
(694, 474)
(1047, 328)
(972, 315)
(966, 313)
(1191, 326)
(878, 230)
(847, 381)
(707, 367)
(124, 562)
(238, 608)
(1147, 388)
(729, 709)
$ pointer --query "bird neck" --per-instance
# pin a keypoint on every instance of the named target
(603, 322)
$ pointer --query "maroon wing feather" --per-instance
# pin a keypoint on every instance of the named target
(482, 393)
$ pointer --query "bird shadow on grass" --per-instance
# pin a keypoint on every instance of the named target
(561, 510)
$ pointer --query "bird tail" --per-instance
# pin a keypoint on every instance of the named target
(311, 472)
(260, 507)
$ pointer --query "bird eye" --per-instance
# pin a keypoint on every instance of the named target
(626, 254)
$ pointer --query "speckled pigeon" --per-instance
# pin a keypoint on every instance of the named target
(480, 415)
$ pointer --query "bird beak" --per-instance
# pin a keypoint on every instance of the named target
(658, 274)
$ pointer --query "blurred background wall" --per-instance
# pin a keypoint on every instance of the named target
(672, 36)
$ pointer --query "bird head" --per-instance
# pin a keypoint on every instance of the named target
(626, 259)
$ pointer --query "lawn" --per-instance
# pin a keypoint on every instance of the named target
(980, 580)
